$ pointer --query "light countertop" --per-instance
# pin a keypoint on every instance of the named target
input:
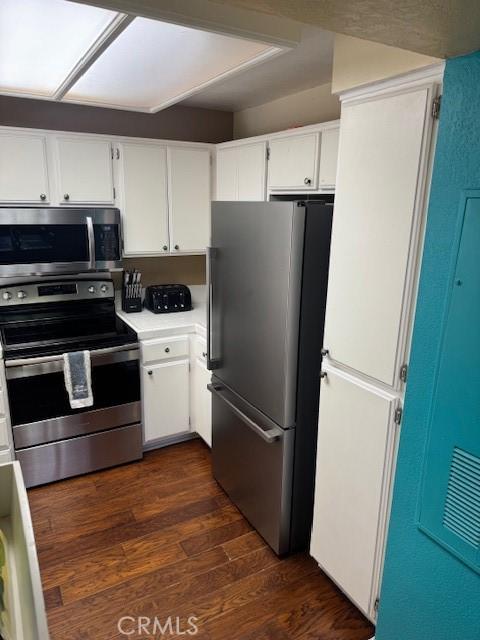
(149, 325)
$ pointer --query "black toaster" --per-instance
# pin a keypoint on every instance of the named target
(168, 298)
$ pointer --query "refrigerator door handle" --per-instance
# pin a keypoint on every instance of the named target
(212, 362)
(269, 435)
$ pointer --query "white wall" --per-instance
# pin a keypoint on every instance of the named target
(298, 109)
(357, 62)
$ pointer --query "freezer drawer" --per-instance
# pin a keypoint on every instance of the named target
(66, 458)
(252, 461)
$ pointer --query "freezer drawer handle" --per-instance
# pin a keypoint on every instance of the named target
(270, 436)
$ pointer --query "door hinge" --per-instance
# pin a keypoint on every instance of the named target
(398, 415)
(114, 193)
(436, 106)
(268, 152)
(376, 604)
(111, 150)
(189, 421)
(403, 372)
(117, 153)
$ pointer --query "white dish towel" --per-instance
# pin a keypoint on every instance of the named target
(77, 372)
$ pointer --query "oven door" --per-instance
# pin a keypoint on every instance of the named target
(39, 405)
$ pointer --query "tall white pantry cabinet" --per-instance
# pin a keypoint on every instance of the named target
(386, 145)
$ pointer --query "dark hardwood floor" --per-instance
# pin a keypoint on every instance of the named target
(159, 538)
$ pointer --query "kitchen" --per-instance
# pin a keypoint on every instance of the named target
(209, 288)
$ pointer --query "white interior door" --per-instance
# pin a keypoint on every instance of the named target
(85, 171)
(293, 162)
(143, 194)
(329, 157)
(166, 405)
(378, 207)
(227, 178)
(23, 168)
(190, 198)
(356, 434)
(252, 165)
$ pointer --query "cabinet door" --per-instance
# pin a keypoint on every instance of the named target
(328, 158)
(143, 197)
(23, 168)
(201, 401)
(166, 409)
(294, 162)
(251, 166)
(377, 212)
(85, 172)
(227, 178)
(190, 199)
(355, 440)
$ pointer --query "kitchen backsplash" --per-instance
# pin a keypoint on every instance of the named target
(166, 270)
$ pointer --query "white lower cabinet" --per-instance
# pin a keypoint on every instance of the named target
(356, 441)
(201, 400)
(166, 401)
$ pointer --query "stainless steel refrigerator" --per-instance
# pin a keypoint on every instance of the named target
(267, 281)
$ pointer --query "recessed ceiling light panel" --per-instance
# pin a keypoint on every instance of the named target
(153, 64)
(41, 41)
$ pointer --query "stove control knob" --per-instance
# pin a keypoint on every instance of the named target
(21, 294)
(104, 288)
(91, 289)
(6, 295)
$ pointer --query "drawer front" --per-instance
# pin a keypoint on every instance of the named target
(67, 458)
(164, 349)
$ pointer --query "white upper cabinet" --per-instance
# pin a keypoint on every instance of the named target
(329, 158)
(294, 162)
(189, 198)
(252, 167)
(23, 168)
(142, 182)
(227, 178)
(84, 169)
(356, 439)
(241, 172)
(377, 217)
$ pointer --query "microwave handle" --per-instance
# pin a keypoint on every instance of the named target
(91, 242)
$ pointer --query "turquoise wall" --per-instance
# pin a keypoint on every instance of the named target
(427, 594)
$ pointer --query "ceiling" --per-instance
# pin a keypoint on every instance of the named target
(439, 28)
(306, 66)
(69, 52)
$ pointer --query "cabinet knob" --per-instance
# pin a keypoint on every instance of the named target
(43, 196)
(325, 352)
(150, 373)
(66, 196)
(177, 247)
(323, 375)
(165, 248)
(307, 181)
(167, 349)
(204, 354)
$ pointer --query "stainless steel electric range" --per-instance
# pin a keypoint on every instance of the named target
(39, 321)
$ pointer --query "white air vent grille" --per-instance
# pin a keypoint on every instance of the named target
(462, 505)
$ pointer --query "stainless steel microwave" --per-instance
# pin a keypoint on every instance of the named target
(42, 240)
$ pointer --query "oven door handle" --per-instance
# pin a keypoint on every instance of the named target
(26, 367)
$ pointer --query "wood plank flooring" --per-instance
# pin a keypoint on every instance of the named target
(159, 538)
